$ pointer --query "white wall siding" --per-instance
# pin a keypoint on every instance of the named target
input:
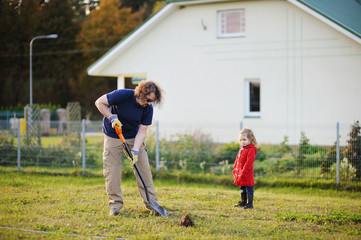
(309, 72)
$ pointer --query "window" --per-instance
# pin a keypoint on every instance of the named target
(128, 83)
(231, 23)
(131, 82)
(252, 98)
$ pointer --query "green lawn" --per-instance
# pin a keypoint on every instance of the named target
(60, 207)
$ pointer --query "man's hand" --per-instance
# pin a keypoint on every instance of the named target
(115, 121)
(135, 154)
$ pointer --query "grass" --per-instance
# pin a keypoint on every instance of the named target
(66, 207)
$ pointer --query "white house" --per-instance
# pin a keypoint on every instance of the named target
(277, 66)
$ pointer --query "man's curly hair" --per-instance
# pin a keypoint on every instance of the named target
(147, 87)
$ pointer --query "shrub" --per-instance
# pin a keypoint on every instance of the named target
(353, 148)
(302, 150)
(347, 171)
(284, 148)
(34, 155)
(51, 156)
(329, 160)
(8, 152)
(227, 152)
(187, 151)
(261, 156)
(313, 160)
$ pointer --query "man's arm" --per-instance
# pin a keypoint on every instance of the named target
(140, 137)
(103, 106)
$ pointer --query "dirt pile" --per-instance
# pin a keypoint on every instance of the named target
(186, 220)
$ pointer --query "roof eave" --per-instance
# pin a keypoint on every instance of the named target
(96, 68)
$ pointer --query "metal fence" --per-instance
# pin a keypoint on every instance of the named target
(77, 146)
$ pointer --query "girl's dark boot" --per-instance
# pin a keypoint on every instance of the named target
(243, 201)
(250, 201)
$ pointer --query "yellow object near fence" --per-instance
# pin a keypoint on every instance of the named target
(22, 125)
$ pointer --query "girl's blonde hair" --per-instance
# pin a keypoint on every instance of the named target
(249, 134)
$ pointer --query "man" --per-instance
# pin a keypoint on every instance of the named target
(133, 111)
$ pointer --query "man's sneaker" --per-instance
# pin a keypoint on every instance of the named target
(155, 213)
(240, 204)
(113, 212)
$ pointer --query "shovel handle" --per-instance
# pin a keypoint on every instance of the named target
(122, 139)
(127, 151)
(120, 133)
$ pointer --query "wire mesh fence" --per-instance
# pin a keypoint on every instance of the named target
(78, 146)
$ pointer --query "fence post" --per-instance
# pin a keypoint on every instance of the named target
(19, 156)
(157, 147)
(241, 125)
(338, 152)
(83, 126)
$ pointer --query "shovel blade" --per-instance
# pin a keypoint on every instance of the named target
(158, 208)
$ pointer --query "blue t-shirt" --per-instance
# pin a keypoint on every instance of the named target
(130, 113)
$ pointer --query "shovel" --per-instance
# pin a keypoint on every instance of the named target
(152, 203)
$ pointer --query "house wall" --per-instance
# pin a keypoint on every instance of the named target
(309, 72)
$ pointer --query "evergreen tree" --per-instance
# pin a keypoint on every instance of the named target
(302, 150)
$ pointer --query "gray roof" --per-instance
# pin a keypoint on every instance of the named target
(345, 13)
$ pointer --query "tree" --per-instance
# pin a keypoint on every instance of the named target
(302, 150)
(284, 148)
(18, 23)
(353, 149)
(52, 70)
(138, 5)
(86, 29)
(103, 28)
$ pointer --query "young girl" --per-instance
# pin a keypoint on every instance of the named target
(243, 167)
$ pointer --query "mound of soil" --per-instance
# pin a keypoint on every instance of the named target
(186, 220)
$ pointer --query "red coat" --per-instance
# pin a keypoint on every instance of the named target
(243, 166)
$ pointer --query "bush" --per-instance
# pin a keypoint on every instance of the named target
(187, 177)
(51, 156)
(313, 160)
(329, 160)
(284, 148)
(261, 156)
(34, 155)
(347, 171)
(275, 165)
(8, 152)
(188, 152)
(353, 148)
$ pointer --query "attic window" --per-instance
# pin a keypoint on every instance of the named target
(231, 23)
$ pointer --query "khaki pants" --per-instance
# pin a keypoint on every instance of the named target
(112, 171)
